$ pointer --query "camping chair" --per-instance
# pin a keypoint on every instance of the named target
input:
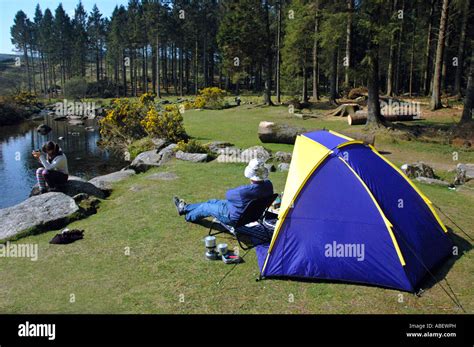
(249, 226)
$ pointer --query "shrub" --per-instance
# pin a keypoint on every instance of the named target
(147, 98)
(122, 122)
(167, 123)
(11, 113)
(212, 98)
(191, 146)
(139, 146)
(75, 88)
(25, 99)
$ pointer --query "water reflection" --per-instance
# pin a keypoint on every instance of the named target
(17, 166)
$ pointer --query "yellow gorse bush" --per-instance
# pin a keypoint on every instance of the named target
(128, 120)
(212, 97)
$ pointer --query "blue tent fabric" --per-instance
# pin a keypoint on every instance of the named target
(327, 139)
(337, 227)
(334, 209)
(422, 241)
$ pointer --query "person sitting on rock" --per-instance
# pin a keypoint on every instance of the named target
(229, 211)
(54, 171)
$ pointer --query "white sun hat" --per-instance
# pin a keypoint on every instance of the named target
(256, 170)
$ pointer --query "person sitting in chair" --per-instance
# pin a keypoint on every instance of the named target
(54, 171)
(229, 211)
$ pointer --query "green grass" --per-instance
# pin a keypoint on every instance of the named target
(166, 262)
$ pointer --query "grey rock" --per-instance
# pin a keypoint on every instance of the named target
(284, 157)
(146, 160)
(167, 153)
(75, 186)
(42, 211)
(105, 182)
(217, 146)
(159, 143)
(193, 157)
(435, 181)
(464, 173)
(163, 176)
(283, 167)
(44, 129)
(418, 169)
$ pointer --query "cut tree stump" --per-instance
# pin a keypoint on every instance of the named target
(344, 110)
(270, 132)
(360, 117)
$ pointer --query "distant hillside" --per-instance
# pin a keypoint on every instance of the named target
(7, 56)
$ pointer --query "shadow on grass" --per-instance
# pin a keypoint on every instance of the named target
(440, 272)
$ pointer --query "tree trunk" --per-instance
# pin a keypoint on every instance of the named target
(469, 98)
(427, 73)
(398, 65)
(391, 57)
(333, 82)
(412, 58)
(278, 54)
(460, 54)
(268, 60)
(305, 80)
(315, 54)
(348, 57)
(158, 66)
(373, 102)
(436, 95)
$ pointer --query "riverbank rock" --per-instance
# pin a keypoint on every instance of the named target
(75, 186)
(418, 169)
(46, 211)
(145, 161)
(154, 158)
(105, 182)
(193, 157)
(283, 157)
(43, 129)
(464, 173)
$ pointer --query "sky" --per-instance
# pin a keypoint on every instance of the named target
(8, 9)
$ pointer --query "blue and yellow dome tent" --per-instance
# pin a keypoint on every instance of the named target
(341, 191)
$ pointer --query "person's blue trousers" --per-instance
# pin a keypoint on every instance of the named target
(211, 208)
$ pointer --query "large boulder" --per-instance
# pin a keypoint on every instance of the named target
(418, 169)
(194, 157)
(75, 186)
(105, 182)
(283, 167)
(50, 210)
(464, 173)
(146, 160)
(154, 158)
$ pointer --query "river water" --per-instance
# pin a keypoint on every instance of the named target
(17, 166)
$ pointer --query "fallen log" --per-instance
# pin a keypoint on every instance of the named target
(361, 118)
(270, 132)
(344, 110)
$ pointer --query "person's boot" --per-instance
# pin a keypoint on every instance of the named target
(180, 205)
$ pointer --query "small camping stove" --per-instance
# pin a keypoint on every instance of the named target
(211, 253)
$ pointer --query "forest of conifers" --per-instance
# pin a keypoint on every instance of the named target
(302, 48)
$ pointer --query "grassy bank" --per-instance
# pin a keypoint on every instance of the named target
(165, 271)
